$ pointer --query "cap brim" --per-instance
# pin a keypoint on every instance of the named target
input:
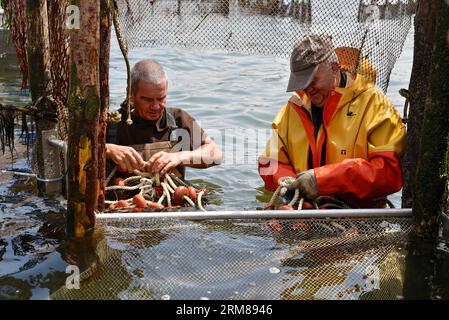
(301, 79)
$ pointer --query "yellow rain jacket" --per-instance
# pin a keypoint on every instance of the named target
(358, 149)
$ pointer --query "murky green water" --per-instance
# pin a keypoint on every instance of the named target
(232, 96)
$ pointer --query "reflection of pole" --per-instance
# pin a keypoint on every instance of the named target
(419, 270)
(309, 11)
(305, 11)
(84, 108)
(360, 15)
(273, 7)
(224, 7)
(426, 266)
(38, 51)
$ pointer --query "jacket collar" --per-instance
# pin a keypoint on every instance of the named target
(337, 99)
(358, 86)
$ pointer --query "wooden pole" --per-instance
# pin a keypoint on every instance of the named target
(418, 88)
(38, 52)
(105, 40)
(430, 194)
(84, 109)
(424, 162)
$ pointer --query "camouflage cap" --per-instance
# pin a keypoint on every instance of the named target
(305, 59)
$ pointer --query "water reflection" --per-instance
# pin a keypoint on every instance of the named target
(426, 273)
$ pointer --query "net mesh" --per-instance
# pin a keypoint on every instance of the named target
(369, 33)
(246, 259)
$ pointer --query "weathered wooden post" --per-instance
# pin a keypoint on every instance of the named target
(84, 109)
(425, 163)
(38, 52)
(430, 193)
(105, 40)
(419, 83)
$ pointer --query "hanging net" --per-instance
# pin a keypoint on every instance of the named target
(246, 259)
(369, 33)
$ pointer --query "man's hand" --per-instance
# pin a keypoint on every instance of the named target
(306, 183)
(162, 162)
(126, 158)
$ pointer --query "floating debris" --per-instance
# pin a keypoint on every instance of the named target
(274, 270)
(390, 227)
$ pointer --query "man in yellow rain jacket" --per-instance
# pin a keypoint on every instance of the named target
(338, 134)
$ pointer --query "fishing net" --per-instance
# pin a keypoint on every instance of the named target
(369, 33)
(246, 259)
(59, 55)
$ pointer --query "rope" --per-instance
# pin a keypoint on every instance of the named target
(133, 178)
(161, 199)
(168, 187)
(406, 94)
(323, 202)
(110, 175)
(200, 197)
(146, 182)
(124, 50)
(114, 117)
(170, 181)
(164, 186)
(179, 181)
(295, 198)
(283, 182)
(143, 174)
(189, 201)
(125, 188)
(301, 203)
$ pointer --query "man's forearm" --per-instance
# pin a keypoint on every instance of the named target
(206, 156)
(374, 178)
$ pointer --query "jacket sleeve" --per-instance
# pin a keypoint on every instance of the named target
(380, 174)
(274, 163)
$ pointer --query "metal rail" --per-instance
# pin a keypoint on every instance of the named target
(248, 215)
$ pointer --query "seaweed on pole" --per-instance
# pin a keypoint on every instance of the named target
(15, 21)
(7, 118)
